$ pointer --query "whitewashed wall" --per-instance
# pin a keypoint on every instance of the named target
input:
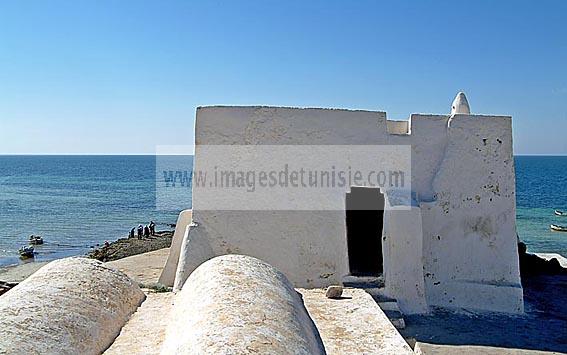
(167, 276)
(403, 259)
(308, 246)
(468, 242)
(470, 246)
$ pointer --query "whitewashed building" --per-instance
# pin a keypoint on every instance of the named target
(450, 243)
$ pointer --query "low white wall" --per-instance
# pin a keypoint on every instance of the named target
(69, 306)
(167, 276)
(397, 127)
(236, 304)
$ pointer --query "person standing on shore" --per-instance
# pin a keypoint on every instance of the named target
(132, 231)
(152, 228)
(140, 231)
(146, 231)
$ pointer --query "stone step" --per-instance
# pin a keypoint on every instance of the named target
(379, 294)
(389, 306)
(374, 286)
(395, 316)
(363, 281)
(399, 323)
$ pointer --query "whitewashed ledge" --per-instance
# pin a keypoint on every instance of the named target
(69, 306)
(354, 324)
(236, 304)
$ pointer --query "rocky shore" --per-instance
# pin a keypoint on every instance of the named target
(119, 249)
(535, 265)
(125, 247)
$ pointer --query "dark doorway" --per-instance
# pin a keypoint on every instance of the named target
(364, 220)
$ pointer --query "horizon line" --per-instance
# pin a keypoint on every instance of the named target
(155, 154)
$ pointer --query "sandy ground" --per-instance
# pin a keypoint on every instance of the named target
(20, 272)
(143, 268)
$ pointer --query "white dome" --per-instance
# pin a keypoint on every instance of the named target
(460, 105)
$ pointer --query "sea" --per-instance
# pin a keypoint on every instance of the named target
(75, 202)
(78, 202)
(541, 188)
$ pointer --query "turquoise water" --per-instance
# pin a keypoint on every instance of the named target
(76, 202)
(541, 187)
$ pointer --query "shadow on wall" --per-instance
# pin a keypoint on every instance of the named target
(545, 297)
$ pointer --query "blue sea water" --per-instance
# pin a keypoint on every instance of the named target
(541, 187)
(76, 202)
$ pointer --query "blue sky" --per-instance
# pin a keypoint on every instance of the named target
(120, 77)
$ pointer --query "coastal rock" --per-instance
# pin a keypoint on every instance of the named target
(125, 247)
(531, 264)
(334, 292)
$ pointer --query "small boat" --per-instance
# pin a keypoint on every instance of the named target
(36, 240)
(557, 228)
(26, 252)
(6, 286)
(560, 213)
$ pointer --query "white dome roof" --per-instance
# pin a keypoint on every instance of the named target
(460, 105)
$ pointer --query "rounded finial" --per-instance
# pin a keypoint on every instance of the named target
(460, 105)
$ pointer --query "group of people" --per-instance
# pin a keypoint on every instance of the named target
(143, 231)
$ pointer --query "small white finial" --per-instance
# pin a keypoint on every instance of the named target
(460, 105)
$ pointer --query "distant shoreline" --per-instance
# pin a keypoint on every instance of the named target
(119, 249)
(125, 247)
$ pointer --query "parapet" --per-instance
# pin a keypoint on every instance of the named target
(236, 304)
(264, 125)
(69, 306)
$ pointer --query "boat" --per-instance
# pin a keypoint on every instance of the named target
(557, 228)
(6, 286)
(26, 252)
(560, 213)
(36, 240)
